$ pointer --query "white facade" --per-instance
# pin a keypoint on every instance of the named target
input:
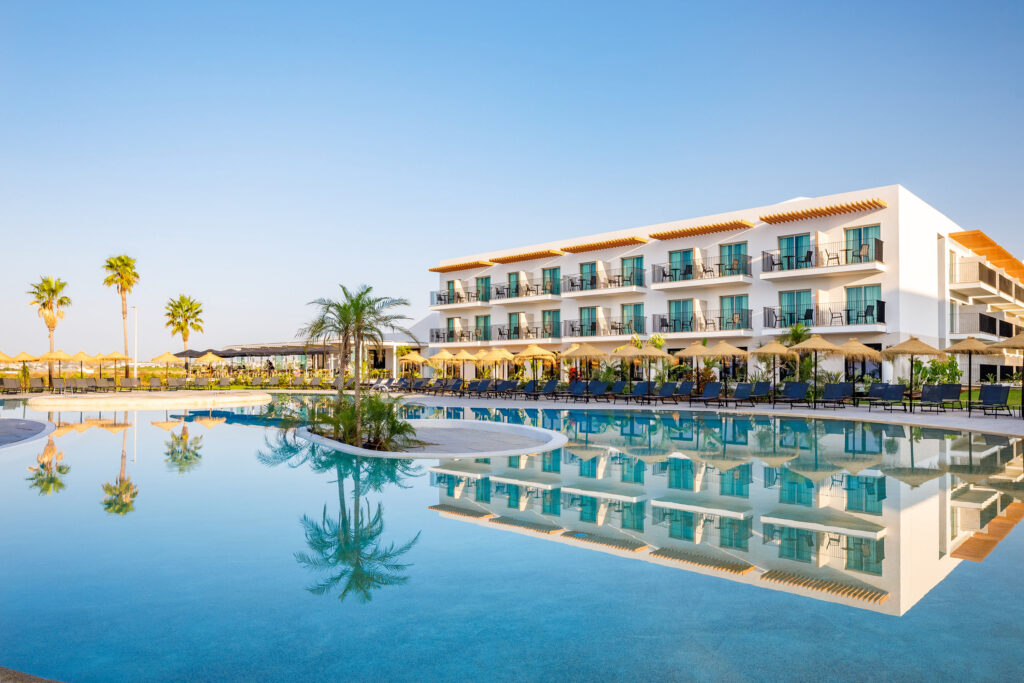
(878, 264)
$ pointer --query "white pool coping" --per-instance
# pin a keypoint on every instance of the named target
(156, 400)
(544, 440)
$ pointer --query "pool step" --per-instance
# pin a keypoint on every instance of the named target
(529, 526)
(844, 590)
(702, 560)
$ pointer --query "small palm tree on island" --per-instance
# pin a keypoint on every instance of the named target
(333, 321)
(184, 316)
(47, 475)
(122, 275)
(183, 451)
(121, 494)
(50, 301)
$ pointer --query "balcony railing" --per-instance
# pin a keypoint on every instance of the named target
(702, 322)
(526, 288)
(441, 335)
(826, 315)
(705, 269)
(609, 279)
(603, 328)
(822, 255)
(980, 323)
(513, 332)
(444, 297)
(974, 272)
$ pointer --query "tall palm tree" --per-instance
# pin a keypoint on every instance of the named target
(333, 321)
(121, 274)
(182, 451)
(50, 301)
(371, 317)
(121, 494)
(184, 316)
(47, 475)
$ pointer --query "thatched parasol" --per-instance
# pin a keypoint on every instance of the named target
(911, 347)
(813, 468)
(167, 359)
(209, 358)
(463, 357)
(584, 352)
(444, 357)
(855, 350)
(4, 358)
(774, 350)
(969, 347)
(58, 356)
(532, 354)
(816, 344)
(412, 358)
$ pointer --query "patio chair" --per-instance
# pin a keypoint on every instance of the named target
(831, 258)
(741, 394)
(992, 400)
(640, 390)
(892, 396)
(794, 393)
(836, 395)
(762, 391)
(712, 394)
(36, 384)
(684, 389)
(951, 396)
(547, 390)
(867, 315)
(931, 398)
(201, 383)
(807, 261)
(665, 393)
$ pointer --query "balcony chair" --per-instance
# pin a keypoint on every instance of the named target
(863, 254)
(807, 261)
(774, 261)
(866, 316)
(808, 318)
(830, 257)
(707, 270)
(834, 315)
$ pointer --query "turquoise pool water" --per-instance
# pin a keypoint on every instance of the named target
(230, 551)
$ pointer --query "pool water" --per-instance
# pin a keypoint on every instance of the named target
(215, 545)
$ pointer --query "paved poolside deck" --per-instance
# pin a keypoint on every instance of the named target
(16, 431)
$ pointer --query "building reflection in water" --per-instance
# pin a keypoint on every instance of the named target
(864, 514)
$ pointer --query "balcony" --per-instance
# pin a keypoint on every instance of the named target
(707, 272)
(507, 334)
(604, 328)
(470, 335)
(710, 323)
(609, 282)
(823, 259)
(527, 291)
(459, 299)
(822, 317)
(983, 326)
(975, 281)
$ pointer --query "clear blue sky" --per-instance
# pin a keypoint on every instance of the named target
(254, 155)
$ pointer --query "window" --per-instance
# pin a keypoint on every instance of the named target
(865, 494)
(633, 471)
(735, 482)
(483, 490)
(451, 291)
(483, 288)
(588, 468)
(588, 509)
(513, 462)
(733, 258)
(680, 265)
(633, 516)
(735, 314)
(796, 489)
(861, 243)
(483, 327)
(734, 533)
(862, 303)
(588, 276)
(450, 324)
(953, 317)
(452, 484)
(865, 555)
(513, 495)
(552, 280)
(797, 544)
(513, 326)
(680, 474)
(551, 462)
(551, 502)
(794, 307)
(588, 321)
(858, 369)
(633, 271)
(680, 316)
(485, 461)
(632, 319)
(795, 252)
(552, 323)
(513, 285)
(681, 525)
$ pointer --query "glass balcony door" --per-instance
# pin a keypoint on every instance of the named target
(795, 252)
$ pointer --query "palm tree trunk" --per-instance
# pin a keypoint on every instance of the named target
(184, 340)
(341, 369)
(124, 324)
(124, 455)
(358, 374)
(50, 364)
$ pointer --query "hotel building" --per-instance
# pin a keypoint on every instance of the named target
(878, 264)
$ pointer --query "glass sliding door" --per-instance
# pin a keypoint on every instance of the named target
(588, 321)
(552, 321)
(552, 280)
(795, 252)
(862, 304)
(680, 265)
(513, 326)
(588, 276)
(680, 316)
(733, 258)
(483, 288)
(513, 285)
(860, 243)
(734, 312)
(793, 308)
(633, 271)
(483, 327)
(632, 319)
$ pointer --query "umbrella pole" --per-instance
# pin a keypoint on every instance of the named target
(775, 382)
(911, 382)
(969, 364)
(814, 402)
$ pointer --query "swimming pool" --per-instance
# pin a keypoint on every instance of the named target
(669, 544)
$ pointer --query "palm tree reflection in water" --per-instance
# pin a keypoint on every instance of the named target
(348, 553)
(121, 494)
(47, 474)
(183, 451)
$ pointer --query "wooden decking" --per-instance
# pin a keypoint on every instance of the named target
(626, 544)
(978, 546)
(529, 526)
(461, 512)
(837, 588)
(703, 560)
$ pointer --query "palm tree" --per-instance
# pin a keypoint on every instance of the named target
(49, 299)
(183, 452)
(183, 317)
(46, 476)
(121, 494)
(121, 273)
(333, 321)
(371, 316)
(797, 333)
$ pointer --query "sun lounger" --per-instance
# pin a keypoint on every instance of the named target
(201, 383)
(271, 383)
(892, 397)
(666, 393)
(992, 400)
(762, 391)
(132, 383)
(36, 384)
(835, 395)
(12, 385)
(951, 396)
(640, 389)
(155, 383)
(931, 398)
(875, 393)
(712, 394)
(547, 390)
(794, 393)
(741, 394)
(530, 387)
(59, 387)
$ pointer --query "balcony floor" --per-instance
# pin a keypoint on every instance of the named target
(707, 282)
(826, 271)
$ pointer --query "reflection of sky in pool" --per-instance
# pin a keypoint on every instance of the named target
(654, 545)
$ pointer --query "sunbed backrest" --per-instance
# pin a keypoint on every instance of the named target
(685, 388)
(667, 389)
(877, 390)
(894, 392)
(618, 386)
(712, 389)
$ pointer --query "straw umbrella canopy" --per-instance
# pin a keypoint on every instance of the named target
(58, 356)
(534, 353)
(113, 357)
(4, 358)
(209, 422)
(82, 358)
(584, 352)
(911, 347)
(912, 476)
(774, 350)
(168, 359)
(1015, 343)
(816, 344)
(853, 463)
(495, 356)
(166, 425)
(209, 358)
(855, 350)
(462, 357)
(969, 347)
(444, 357)
(723, 350)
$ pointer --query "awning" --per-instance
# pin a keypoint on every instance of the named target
(604, 244)
(528, 256)
(825, 520)
(460, 266)
(983, 245)
(824, 211)
(724, 226)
